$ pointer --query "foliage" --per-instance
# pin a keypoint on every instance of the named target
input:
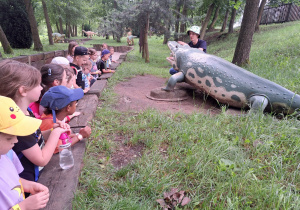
(276, 3)
(15, 23)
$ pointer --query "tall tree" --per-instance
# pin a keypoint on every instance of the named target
(225, 20)
(232, 18)
(49, 28)
(178, 7)
(213, 22)
(61, 31)
(15, 23)
(243, 47)
(33, 25)
(5, 44)
(183, 22)
(146, 29)
(260, 13)
(205, 22)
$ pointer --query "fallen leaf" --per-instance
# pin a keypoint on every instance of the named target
(169, 194)
(176, 196)
(174, 203)
(181, 196)
(162, 203)
(185, 201)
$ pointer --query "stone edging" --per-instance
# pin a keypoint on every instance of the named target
(62, 184)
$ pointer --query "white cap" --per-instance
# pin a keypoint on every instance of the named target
(60, 60)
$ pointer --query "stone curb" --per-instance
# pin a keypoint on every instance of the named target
(62, 184)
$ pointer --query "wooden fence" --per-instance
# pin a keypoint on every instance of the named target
(38, 60)
(281, 14)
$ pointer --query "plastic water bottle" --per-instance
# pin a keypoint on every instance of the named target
(66, 159)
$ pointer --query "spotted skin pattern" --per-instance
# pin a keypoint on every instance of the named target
(228, 83)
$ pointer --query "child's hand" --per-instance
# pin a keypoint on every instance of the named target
(85, 132)
(61, 130)
(61, 124)
(86, 90)
(35, 188)
(36, 201)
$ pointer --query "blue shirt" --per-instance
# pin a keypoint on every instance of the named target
(200, 44)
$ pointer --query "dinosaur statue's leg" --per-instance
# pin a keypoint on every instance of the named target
(178, 77)
(258, 104)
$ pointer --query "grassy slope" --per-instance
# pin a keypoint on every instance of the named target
(211, 158)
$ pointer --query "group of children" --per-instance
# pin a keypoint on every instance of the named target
(36, 107)
(87, 65)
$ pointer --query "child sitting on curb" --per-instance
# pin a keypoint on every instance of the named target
(13, 123)
(80, 57)
(102, 63)
(60, 102)
(24, 88)
(52, 75)
(93, 58)
(88, 78)
(110, 59)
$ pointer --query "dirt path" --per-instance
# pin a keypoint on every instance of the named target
(132, 96)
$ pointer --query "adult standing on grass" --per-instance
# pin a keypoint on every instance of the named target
(194, 34)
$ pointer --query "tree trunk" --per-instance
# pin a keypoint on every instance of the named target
(76, 33)
(67, 30)
(5, 44)
(260, 13)
(232, 19)
(49, 29)
(61, 31)
(183, 25)
(57, 27)
(212, 25)
(167, 35)
(33, 25)
(70, 30)
(142, 39)
(82, 28)
(205, 23)
(225, 21)
(146, 49)
(178, 6)
(242, 50)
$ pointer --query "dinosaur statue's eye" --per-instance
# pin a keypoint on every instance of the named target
(11, 109)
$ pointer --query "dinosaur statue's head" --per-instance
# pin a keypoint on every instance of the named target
(176, 50)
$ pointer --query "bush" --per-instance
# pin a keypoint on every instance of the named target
(15, 23)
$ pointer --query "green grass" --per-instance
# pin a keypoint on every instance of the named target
(211, 158)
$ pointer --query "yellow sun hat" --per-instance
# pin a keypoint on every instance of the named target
(13, 121)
